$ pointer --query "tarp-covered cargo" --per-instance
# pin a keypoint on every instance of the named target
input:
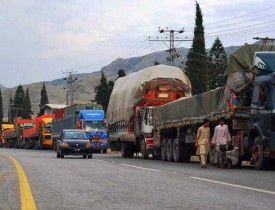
(126, 91)
(244, 65)
(195, 107)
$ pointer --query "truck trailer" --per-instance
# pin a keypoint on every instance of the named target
(129, 112)
(247, 102)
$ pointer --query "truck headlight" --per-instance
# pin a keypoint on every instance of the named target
(64, 144)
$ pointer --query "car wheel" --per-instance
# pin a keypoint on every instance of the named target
(84, 156)
(57, 154)
(61, 155)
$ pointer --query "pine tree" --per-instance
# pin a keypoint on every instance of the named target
(196, 64)
(18, 105)
(27, 106)
(120, 73)
(43, 99)
(217, 65)
(1, 107)
(103, 92)
(11, 110)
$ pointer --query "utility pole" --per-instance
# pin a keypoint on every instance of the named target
(70, 86)
(265, 40)
(173, 53)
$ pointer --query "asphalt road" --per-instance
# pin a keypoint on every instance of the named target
(110, 182)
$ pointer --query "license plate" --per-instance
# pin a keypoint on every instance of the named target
(77, 150)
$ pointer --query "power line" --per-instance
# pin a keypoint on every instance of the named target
(173, 53)
(265, 40)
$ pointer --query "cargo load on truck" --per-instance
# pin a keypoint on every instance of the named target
(138, 89)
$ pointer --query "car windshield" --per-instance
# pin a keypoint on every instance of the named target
(75, 135)
(91, 125)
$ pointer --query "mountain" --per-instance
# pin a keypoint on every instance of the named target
(85, 83)
(2, 87)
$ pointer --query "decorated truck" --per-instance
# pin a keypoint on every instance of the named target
(38, 137)
(247, 102)
(4, 128)
(84, 117)
(13, 136)
(129, 112)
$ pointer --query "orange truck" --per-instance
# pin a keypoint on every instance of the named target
(4, 128)
(38, 137)
(12, 135)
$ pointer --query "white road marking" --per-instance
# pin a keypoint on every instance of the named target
(138, 167)
(234, 185)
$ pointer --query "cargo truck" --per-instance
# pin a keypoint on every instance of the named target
(83, 117)
(4, 128)
(14, 136)
(247, 102)
(38, 137)
(129, 112)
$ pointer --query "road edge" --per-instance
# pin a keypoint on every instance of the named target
(27, 201)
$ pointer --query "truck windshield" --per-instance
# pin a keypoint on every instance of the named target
(91, 125)
(48, 128)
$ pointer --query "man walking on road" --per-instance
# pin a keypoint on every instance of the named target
(220, 139)
(203, 142)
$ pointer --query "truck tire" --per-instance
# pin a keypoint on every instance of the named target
(144, 154)
(164, 150)
(178, 151)
(260, 162)
(187, 153)
(90, 156)
(170, 150)
(126, 151)
(104, 151)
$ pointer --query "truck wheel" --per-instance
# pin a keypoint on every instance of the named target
(177, 151)
(260, 162)
(58, 155)
(61, 155)
(187, 153)
(104, 151)
(164, 150)
(124, 152)
(144, 154)
(170, 150)
(84, 156)
(90, 156)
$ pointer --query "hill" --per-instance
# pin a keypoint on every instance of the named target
(86, 82)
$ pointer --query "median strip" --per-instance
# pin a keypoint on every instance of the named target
(234, 185)
(27, 201)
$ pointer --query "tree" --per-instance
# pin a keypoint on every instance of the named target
(11, 110)
(27, 107)
(1, 107)
(157, 63)
(121, 73)
(103, 92)
(196, 64)
(18, 101)
(43, 99)
(217, 65)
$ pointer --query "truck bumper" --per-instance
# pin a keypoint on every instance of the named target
(97, 147)
(48, 142)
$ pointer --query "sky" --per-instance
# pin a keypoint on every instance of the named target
(39, 39)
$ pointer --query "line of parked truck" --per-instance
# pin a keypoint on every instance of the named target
(153, 112)
(44, 131)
